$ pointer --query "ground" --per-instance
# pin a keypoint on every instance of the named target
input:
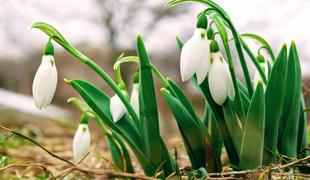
(22, 159)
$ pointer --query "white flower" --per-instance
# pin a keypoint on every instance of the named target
(195, 56)
(81, 142)
(134, 98)
(220, 82)
(45, 82)
(117, 108)
(257, 76)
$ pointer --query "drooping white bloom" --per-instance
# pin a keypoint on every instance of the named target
(220, 82)
(134, 98)
(81, 142)
(117, 108)
(257, 76)
(45, 82)
(195, 56)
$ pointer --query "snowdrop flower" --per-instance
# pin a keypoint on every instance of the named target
(134, 98)
(220, 82)
(257, 76)
(45, 80)
(195, 54)
(81, 141)
(117, 108)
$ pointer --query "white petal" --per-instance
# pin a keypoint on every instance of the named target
(81, 142)
(230, 84)
(134, 98)
(117, 108)
(256, 79)
(45, 82)
(192, 54)
(217, 81)
(205, 63)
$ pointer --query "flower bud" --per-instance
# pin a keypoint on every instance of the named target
(82, 140)
(202, 21)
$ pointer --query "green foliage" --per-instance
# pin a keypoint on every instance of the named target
(274, 98)
(255, 128)
(148, 108)
(251, 154)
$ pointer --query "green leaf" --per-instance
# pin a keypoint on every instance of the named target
(251, 154)
(125, 154)
(233, 124)
(215, 135)
(274, 98)
(169, 166)
(218, 113)
(191, 133)
(148, 108)
(262, 41)
(116, 153)
(99, 102)
(179, 94)
(288, 128)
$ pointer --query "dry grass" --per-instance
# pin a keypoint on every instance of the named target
(25, 160)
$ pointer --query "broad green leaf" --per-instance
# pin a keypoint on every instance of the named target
(233, 124)
(215, 135)
(116, 153)
(251, 153)
(303, 137)
(148, 108)
(179, 94)
(99, 102)
(192, 135)
(221, 123)
(288, 128)
(169, 166)
(125, 154)
(274, 97)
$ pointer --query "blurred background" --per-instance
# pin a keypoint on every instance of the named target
(103, 29)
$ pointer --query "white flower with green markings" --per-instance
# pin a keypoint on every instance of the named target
(195, 55)
(219, 79)
(81, 142)
(45, 80)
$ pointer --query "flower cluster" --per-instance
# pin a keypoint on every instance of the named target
(201, 56)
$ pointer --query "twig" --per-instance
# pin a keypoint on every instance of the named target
(36, 143)
(294, 162)
(112, 174)
(27, 165)
(67, 171)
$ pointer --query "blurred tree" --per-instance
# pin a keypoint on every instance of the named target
(123, 19)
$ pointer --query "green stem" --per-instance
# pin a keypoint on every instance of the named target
(256, 63)
(161, 78)
(135, 59)
(90, 63)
